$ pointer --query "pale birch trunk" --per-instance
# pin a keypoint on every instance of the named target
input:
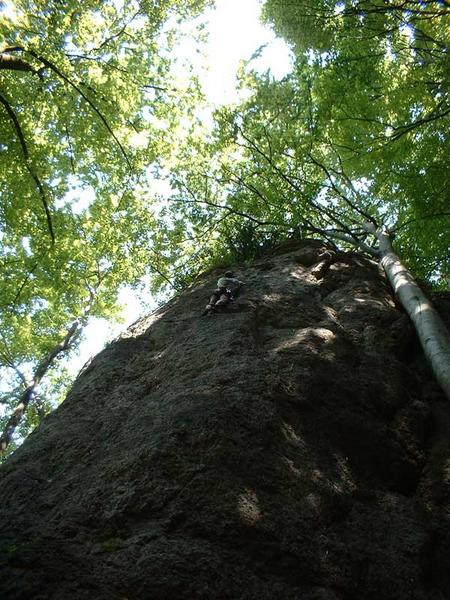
(431, 330)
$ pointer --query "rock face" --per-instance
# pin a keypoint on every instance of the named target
(293, 447)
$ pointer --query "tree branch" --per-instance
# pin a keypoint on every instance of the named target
(403, 129)
(253, 146)
(41, 369)
(349, 203)
(31, 389)
(60, 74)
(219, 206)
(13, 63)
(30, 169)
(9, 361)
(433, 216)
(25, 281)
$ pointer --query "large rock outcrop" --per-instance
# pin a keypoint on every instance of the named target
(293, 446)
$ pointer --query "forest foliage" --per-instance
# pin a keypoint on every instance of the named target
(357, 132)
(88, 110)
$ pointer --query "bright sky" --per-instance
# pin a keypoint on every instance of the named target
(235, 33)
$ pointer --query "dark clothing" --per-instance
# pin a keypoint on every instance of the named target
(220, 297)
(223, 291)
(224, 294)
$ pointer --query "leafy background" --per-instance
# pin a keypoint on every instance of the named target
(92, 115)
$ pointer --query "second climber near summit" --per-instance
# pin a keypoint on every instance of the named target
(227, 287)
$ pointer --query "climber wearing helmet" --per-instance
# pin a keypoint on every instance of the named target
(227, 286)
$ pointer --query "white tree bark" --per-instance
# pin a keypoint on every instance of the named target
(431, 330)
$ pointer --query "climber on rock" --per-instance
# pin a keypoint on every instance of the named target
(227, 288)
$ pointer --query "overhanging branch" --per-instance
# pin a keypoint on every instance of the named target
(30, 169)
(64, 77)
(42, 368)
(13, 63)
(219, 206)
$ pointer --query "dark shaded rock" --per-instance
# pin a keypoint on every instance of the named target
(293, 446)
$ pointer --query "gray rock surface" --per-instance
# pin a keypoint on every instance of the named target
(293, 446)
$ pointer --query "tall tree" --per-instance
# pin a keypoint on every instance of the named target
(87, 102)
(380, 95)
(351, 143)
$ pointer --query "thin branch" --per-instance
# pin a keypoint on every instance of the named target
(403, 129)
(406, 223)
(60, 74)
(249, 186)
(207, 231)
(31, 171)
(73, 57)
(349, 203)
(120, 32)
(25, 281)
(9, 361)
(12, 116)
(69, 141)
(42, 368)
(320, 209)
(219, 206)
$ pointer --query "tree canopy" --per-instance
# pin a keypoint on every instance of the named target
(88, 106)
(380, 90)
(357, 133)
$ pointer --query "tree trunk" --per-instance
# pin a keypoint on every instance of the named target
(292, 446)
(431, 330)
(30, 391)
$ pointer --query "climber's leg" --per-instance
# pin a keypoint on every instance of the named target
(224, 299)
(213, 300)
